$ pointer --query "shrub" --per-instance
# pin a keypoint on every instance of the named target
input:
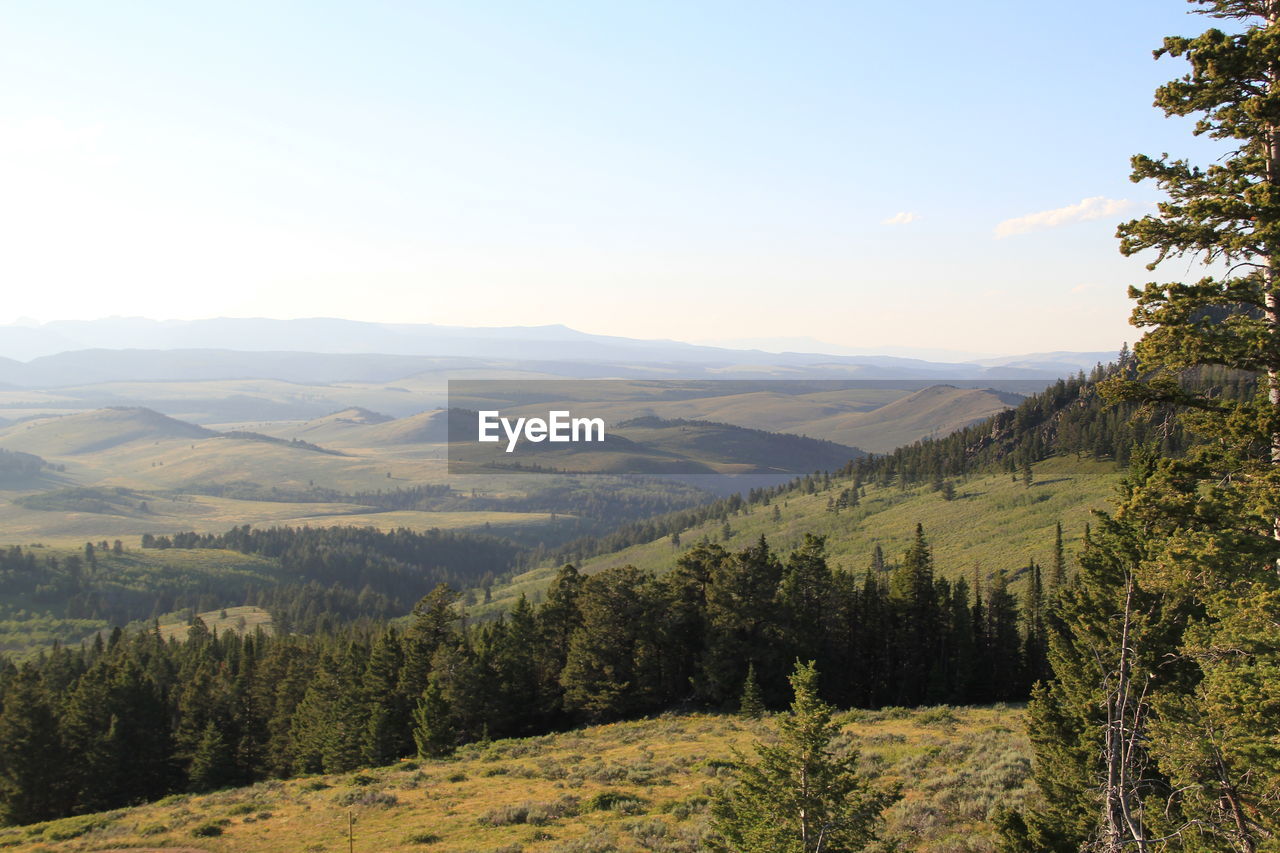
(649, 832)
(421, 838)
(616, 801)
(208, 829)
(367, 797)
(534, 814)
(943, 715)
(598, 840)
(73, 827)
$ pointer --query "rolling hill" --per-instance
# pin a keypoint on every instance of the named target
(929, 412)
(334, 428)
(90, 432)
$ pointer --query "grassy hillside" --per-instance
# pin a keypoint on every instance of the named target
(241, 620)
(873, 416)
(928, 412)
(87, 432)
(993, 523)
(335, 427)
(652, 445)
(623, 787)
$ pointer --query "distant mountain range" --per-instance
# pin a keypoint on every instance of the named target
(324, 350)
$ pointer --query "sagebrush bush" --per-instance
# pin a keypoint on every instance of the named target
(74, 827)
(209, 829)
(421, 838)
(367, 797)
(597, 840)
(616, 801)
(533, 813)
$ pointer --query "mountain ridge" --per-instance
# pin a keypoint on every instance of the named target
(75, 352)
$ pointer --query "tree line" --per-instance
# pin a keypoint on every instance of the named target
(133, 717)
(17, 467)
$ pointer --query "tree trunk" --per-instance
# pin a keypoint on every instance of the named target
(1122, 829)
(1272, 283)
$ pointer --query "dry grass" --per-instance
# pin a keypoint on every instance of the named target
(239, 620)
(623, 787)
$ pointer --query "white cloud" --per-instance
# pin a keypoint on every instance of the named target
(1097, 207)
(903, 218)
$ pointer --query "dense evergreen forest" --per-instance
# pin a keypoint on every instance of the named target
(135, 718)
(315, 577)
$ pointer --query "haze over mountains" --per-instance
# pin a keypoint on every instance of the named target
(319, 350)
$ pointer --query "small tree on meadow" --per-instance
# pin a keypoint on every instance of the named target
(799, 795)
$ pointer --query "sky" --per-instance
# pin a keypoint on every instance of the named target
(870, 175)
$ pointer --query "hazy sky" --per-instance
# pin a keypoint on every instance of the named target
(931, 174)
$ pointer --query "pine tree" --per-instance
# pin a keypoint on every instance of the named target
(212, 764)
(32, 780)
(328, 726)
(752, 703)
(741, 625)
(1090, 726)
(610, 670)
(1035, 641)
(434, 730)
(465, 685)
(914, 598)
(1175, 587)
(522, 695)
(386, 732)
(1002, 650)
(804, 598)
(435, 618)
(1058, 571)
(800, 795)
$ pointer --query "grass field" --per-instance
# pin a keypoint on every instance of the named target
(239, 620)
(994, 523)
(632, 786)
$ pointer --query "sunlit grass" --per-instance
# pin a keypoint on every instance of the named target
(629, 786)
